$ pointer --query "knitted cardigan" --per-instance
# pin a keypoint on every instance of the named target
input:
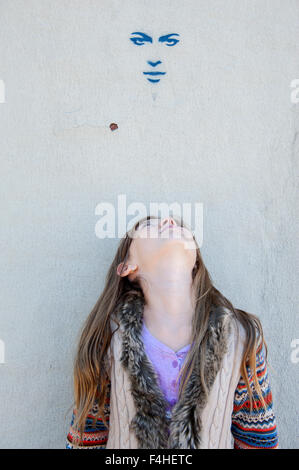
(135, 406)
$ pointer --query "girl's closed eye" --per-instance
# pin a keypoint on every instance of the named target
(147, 223)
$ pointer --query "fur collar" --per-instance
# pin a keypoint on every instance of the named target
(149, 423)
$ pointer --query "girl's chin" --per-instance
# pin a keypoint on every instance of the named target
(177, 246)
(173, 234)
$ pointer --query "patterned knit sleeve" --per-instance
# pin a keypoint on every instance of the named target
(254, 429)
(95, 435)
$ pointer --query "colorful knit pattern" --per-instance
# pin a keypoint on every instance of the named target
(255, 429)
(95, 435)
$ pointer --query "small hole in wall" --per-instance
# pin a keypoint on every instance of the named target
(113, 126)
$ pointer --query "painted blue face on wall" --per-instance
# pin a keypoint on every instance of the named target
(153, 74)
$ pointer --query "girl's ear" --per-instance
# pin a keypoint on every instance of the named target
(126, 269)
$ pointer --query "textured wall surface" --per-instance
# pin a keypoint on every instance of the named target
(220, 128)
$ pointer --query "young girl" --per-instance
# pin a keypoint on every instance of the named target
(165, 361)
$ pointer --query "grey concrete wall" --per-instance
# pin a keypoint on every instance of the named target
(221, 128)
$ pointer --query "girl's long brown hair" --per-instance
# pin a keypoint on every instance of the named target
(91, 371)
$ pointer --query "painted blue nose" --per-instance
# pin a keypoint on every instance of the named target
(153, 64)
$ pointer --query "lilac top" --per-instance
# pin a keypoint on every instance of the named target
(167, 363)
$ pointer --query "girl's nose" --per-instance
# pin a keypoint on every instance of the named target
(168, 221)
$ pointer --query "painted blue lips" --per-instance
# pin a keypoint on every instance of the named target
(154, 74)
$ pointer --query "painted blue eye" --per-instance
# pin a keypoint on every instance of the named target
(138, 41)
(173, 41)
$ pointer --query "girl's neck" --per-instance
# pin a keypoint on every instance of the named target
(169, 309)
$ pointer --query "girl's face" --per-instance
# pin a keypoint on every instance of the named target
(162, 243)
